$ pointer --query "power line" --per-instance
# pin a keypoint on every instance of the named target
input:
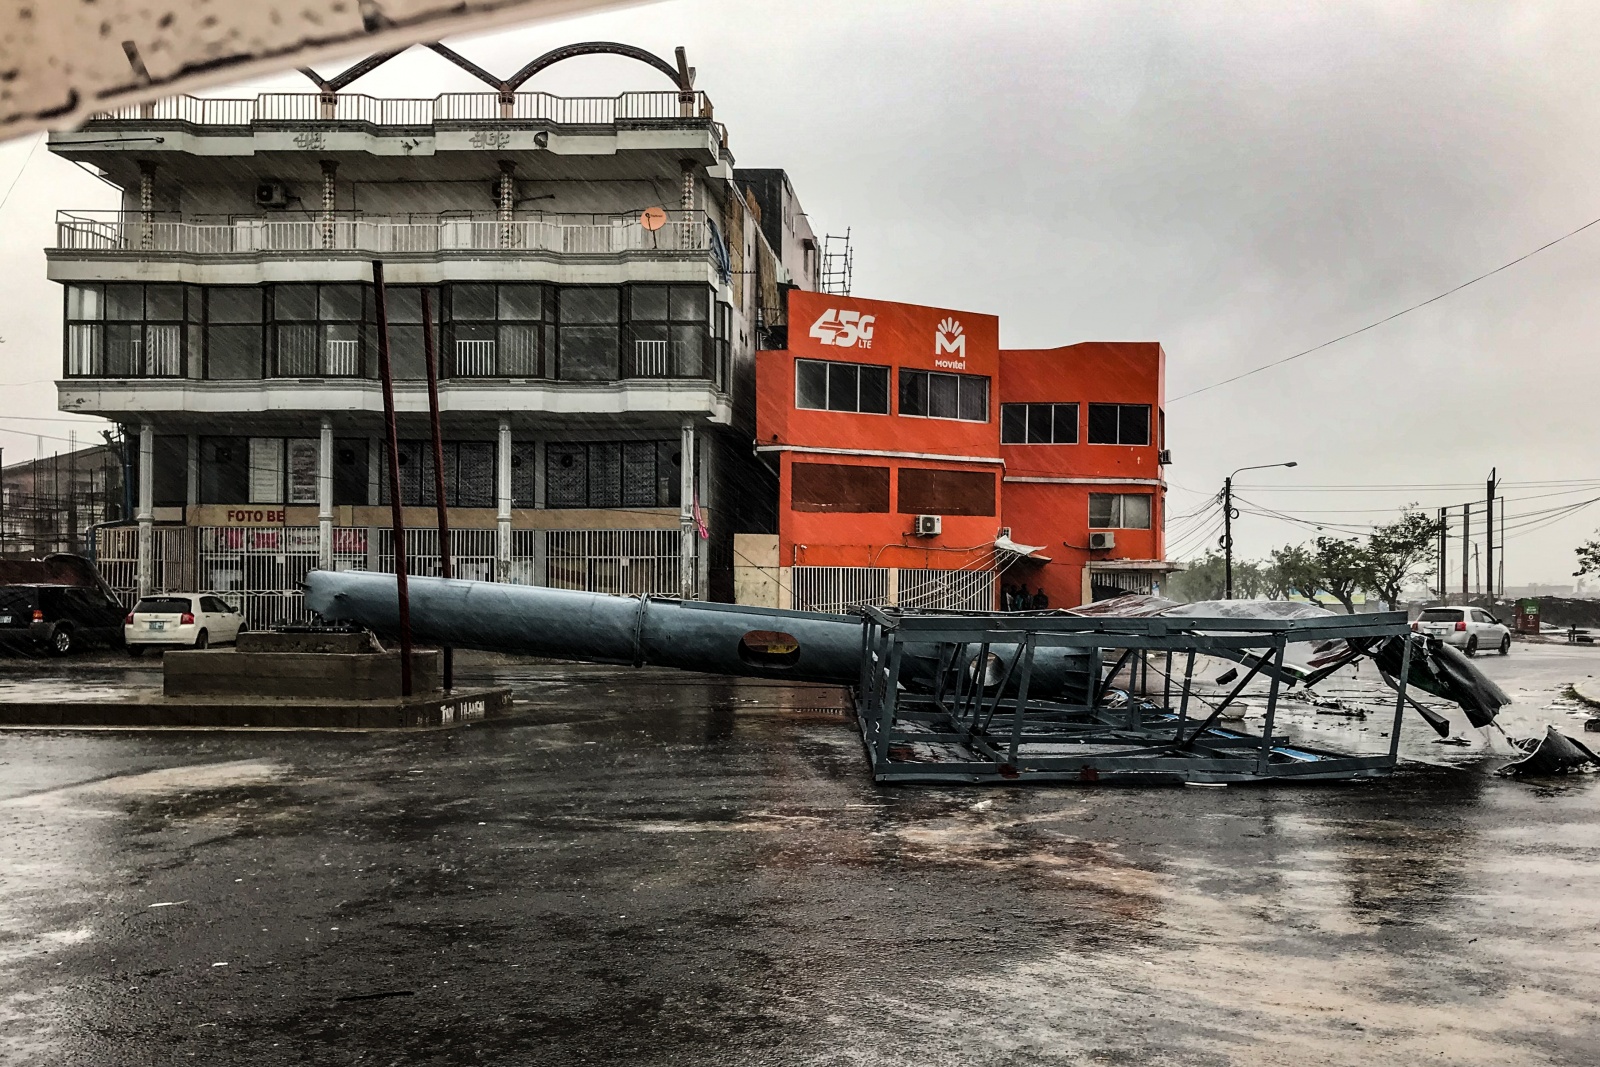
(1386, 318)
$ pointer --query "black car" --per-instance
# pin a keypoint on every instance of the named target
(58, 618)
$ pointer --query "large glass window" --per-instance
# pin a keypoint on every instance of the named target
(944, 396)
(670, 331)
(350, 471)
(612, 474)
(590, 334)
(169, 478)
(327, 331)
(127, 330)
(233, 332)
(1119, 511)
(1119, 424)
(497, 331)
(1038, 424)
(828, 386)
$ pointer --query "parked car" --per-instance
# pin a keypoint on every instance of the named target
(180, 620)
(1469, 629)
(58, 618)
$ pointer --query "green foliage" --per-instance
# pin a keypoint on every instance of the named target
(1289, 571)
(1588, 558)
(1401, 552)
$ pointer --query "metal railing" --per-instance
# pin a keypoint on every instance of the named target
(124, 231)
(620, 562)
(667, 107)
(840, 590)
(474, 359)
(650, 359)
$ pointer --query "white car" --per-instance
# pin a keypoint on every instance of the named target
(187, 620)
(1470, 629)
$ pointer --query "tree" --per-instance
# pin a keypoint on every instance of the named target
(1292, 569)
(1341, 568)
(1588, 558)
(1400, 552)
(1207, 580)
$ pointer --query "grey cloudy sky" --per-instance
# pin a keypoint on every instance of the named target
(1238, 182)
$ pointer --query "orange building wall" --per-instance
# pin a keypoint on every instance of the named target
(1056, 514)
(902, 335)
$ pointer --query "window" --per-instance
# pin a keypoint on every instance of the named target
(224, 470)
(1441, 615)
(1119, 424)
(524, 475)
(612, 474)
(828, 386)
(1119, 511)
(266, 470)
(169, 476)
(122, 330)
(944, 396)
(350, 473)
(1038, 424)
(590, 334)
(838, 487)
(233, 333)
(669, 331)
(497, 331)
(925, 491)
(469, 474)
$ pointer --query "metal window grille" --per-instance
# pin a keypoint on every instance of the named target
(650, 359)
(344, 357)
(475, 359)
(839, 589)
(472, 553)
(117, 559)
(620, 562)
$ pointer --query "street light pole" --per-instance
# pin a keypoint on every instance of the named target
(1227, 523)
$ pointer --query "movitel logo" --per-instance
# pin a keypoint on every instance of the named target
(949, 340)
(844, 329)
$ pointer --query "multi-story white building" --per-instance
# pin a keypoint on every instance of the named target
(597, 272)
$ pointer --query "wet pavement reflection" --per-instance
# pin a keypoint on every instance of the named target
(660, 868)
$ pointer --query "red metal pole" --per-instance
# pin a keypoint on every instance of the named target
(396, 512)
(431, 358)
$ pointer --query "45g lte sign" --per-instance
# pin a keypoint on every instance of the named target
(844, 329)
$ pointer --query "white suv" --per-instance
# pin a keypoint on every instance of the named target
(1469, 629)
(188, 620)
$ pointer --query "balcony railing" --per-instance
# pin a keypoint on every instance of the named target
(669, 107)
(120, 231)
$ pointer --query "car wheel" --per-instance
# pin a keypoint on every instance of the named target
(1505, 645)
(61, 641)
(135, 651)
(1472, 645)
(201, 640)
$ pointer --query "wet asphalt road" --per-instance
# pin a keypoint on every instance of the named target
(662, 868)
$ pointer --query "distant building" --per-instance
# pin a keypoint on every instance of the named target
(596, 271)
(51, 504)
(919, 464)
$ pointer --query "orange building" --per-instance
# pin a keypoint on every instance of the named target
(917, 463)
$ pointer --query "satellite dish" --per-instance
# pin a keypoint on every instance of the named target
(653, 218)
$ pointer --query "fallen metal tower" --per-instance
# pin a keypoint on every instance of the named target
(1002, 727)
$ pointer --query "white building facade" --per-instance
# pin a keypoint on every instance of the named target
(596, 277)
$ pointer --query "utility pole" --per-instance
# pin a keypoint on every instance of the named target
(1227, 538)
(1488, 554)
(1444, 543)
(1227, 523)
(1466, 552)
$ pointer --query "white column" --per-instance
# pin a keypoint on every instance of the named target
(145, 514)
(686, 534)
(503, 500)
(325, 496)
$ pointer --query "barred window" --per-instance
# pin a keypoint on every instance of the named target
(499, 331)
(127, 330)
(469, 474)
(612, 474)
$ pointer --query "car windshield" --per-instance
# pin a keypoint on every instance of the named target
(162, 605)
(1441, 615)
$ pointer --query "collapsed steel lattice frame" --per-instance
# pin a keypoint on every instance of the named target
(964, 731)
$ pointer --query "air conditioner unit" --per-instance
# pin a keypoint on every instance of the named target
(929, 525)
(1102, 540)
(1164, 457)
(272, 194)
